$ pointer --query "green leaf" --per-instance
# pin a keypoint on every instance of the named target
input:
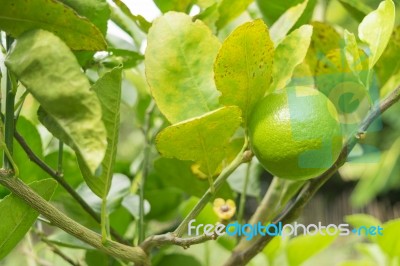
(209, 16)
(362, 262)
(131, 203)
(389, 242)
(96, 258)
(97, 11)
(355, 61)
(19, 16)
(173, 5)
(273, 10)
(176, 173)
(230, 9)
(127, 58)
(206, 216)
(377, 178)
(119, 189)
(50, 72)
(323, 39)
(63, 239)
(302, 248)
(389, 63)
(108, 90)
(163, 202)
(272, 249)
(18, 217)
(365, 220)
(373, 252)
(201, 139)
(179, 58)
(283, 25)
(289, 54)
(178, 260)
(361, 219)
(237, 179)
(243, 66)
(30, 171)
(376, 29)
(140, 21)
(356, 8)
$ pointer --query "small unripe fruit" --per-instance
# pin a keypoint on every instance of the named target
(295, 133)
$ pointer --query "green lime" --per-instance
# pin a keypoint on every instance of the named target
(295, 133)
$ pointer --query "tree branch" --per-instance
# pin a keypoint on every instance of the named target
(16, 186)
(171, 239)
(175, 238)
(145, 169)
(241, 257)
(243, 156)
(60, 180)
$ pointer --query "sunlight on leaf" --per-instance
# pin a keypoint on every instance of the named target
(179, 58)
(19, 16)
(376, 29)
(201, 139)
(243, 66)
(283, 25)
(69, 109)
(289, 54)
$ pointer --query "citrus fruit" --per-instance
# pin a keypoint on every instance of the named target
(295, 133)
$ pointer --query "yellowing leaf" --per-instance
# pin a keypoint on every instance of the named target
(243, 66)
(324, 39)
(289, 54)
(201, 139)
(389, 242)
(376, 29)
(19, 16)
(229, 9)
(301, 248)
(285, 22)
(69, 109)
(179, 58)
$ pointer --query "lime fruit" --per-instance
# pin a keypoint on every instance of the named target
(295, 133)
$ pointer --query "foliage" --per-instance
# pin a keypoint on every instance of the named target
(144, 123)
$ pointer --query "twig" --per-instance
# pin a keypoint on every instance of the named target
(175, 237)
(145, 169)
(56, 250)
(171, 239)
(241, 257)
(25, 193)
(244, 193)
(272, 204)
(60, 158)
(243, 156)
(34, 158)
(9, 126)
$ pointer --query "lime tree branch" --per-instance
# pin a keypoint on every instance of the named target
(57, 218)
(242, 256)
(60, 180)
(172, 239)
(145, 168)
(175, 238)
(243, 156)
